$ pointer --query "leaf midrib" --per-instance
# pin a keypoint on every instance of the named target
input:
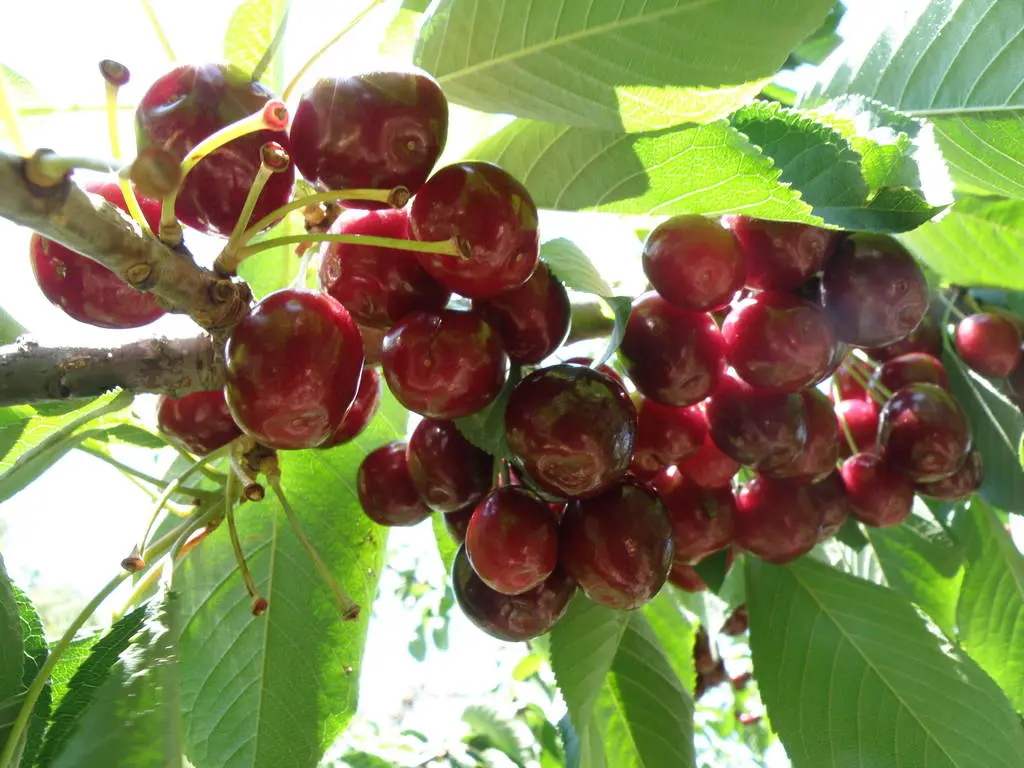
(266, 641)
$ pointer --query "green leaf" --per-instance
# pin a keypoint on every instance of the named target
(573, 267)
(10, 329)
(401, 33)
(274, 268)
(817, 46)
(486, 428)
(851, 674)
(12, 648)
(298, 665)
(498, 734)
(68, 665)
(446, 545)
(991, 607)
(625, 702)
(254, 35)
(640, 66)
(621, 306)
(365, 760)
(676, 631)
(713, 569)
(35, 653)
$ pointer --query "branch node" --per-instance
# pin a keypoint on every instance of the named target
(139, 276)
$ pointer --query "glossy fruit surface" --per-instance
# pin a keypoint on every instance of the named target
(776, 520)
(873, 291)
(990, 344)
(385, 488)
(375, 130)
(849, 386)
(378, 286)
(861, 419)
(674, 357)
(829, 496)
(456, 523)
(926, 338)
(617, 546)
(878, 496)
(709, 467)
(293, 368)
(817, 459)
(686, 578)
(571, 429)
(924, 433)
(444, 364)
(85, 289)
(512, 618)
(781, 255)
(958, 486)
(778, 342)
(694, 263)
(911, 368)
(362, 410)
(192, 102)
(494, 217)
(512, 540)
(201, 421)
(702, 520)
(532, 319)
(448, 471)
(665, 435)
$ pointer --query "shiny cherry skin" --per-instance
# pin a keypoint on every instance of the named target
(385, 488)
(378, 286)
(673, 357)
(817, 459)
(665, 435)
(912, 368)
(362, 410)
(926, 338)
(192, 102)
(618, 546)
(776, 520)
(846, 384)
(457, 522)
(878, 496)
(694, 263)
(607, 370)
(374, 130)
(533, 319)
(686, 578)
(709, 467)
(958, 486)
(513, 618)
(495, 220)
(702, 520)
(444, 364)
(85, 289)
(781, 255)
(448, 471)
(778, 342)
(861, 419)
(829, 496)
(293, 368)
(512, 540)
(873, 291)
(924, 433)
(200, 421)
(990, 344)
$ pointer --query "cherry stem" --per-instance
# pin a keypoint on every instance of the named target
(262, 177)
(874, 390)
(446, 247)
(845, 427)
(230, 499)
(46, 168)
(130, 200)
(159, 30)
(195, 493)
(9, 119)
(252, 489)
(951, 308)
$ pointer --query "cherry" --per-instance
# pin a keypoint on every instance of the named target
(829, 496)
(674, 357)
(617, 546)
(495, 220)
(448, 471)
(878, 496)
(927, 338)
(361, 412)
(375, 130)
(190, 103)
(861, 417)
(736, 623)
(607, 370)
(85, 289)
(839, 353)
(665, 436)
(512, 618)
(776, 520)
(293, 368)
(571, 429)
(761, 429)
(924, 433)
(457, 522)
(911, 368)
(533, 319)
(385, 488)
(512, 540)
(686, 578)
(960, 485)
(847, 385)
(378, 286)
(709, 467)
(781, 255)
(201, 421)
(444, 364)
(873, 291)
(778, 342)
(817, 459)
(990, 344)
(694, 263)
(702, 520)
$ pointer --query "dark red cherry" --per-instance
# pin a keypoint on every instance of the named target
(757, 428)
(378, 286)
(385, 488)
(457, 522)
(924, 433)
(607, 370)
(990, 344)
(817, 459)
(293, 368)
(829, 496)
(674, 357)
(201, 421)
(911, 368)
(533, 319)
(686, 578)
(709, 467)
(665, 435)
(958, 486)
(778, 342)
(85, 289)
(495, 220)
(617, 546)
(192, 102)
(444, 364)
(878, 496)
(513, 618)
(776, 520)
(702, 520)
(448, 471)
(839, 354)
(571, 429)
(694, 263)
(375, 130)
(873, 291)
(781, 255)
(512, 540)
(926, 338)
(861, 418)
(846, 384)
(361, 412)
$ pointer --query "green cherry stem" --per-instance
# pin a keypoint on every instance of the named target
(951, 308)
(116, 75)
(9, 119)
(845, 427)
(159, 30)
(195, 493)
(45, 168)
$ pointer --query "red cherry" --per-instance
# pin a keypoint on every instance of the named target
(958, 486)
(829, 496)
(444, 364)
(990, 344)
(361, 412)
(817, 459)
(709, 467)
(293, 368)
(686, 578)
(607, 370)
(781, 255)
(912, 368)
(492, 214)
(926, 338)
(924, 433)
(702, 520)
(201, 421)
(861, 417)
(665, 435)
(448, 471)
(847, 385)
(385, 488)
(878, 496)
(776, 520)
